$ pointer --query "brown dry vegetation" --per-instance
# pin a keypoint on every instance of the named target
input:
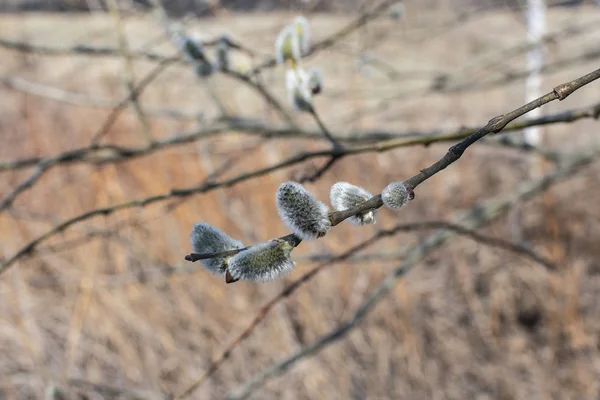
(469, 322)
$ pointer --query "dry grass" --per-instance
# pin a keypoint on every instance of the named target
(470, 322)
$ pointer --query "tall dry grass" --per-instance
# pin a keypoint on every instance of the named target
(469, 322)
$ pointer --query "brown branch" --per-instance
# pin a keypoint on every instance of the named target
(495, 125)
(97, 51)
(388, 140)
(330, 261)
(476, 217)
(83, 100)
(133, 95)
(128, 69)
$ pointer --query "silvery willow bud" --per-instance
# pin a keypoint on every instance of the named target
(206, 238)
(301, 212)
(299, 94)
(396, 195)
(315, 81)
(287, 45)
(263, 262)
(344, 195)
(302, 28)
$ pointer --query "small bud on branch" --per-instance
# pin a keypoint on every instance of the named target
(344, 195)
(396, 195)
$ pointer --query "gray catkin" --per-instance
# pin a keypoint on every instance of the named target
(344, 195)
(263, 262)
(395, 195)
(301, 212)
(206, 238)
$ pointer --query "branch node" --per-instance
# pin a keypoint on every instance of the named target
(563, 91)
(496, 124)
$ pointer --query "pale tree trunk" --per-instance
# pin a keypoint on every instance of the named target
(536, 29)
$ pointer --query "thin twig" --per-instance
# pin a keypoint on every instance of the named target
(330, 261)
(83, 100)
(135, 93)
(128, 64)
(494, 126)
(387, 140)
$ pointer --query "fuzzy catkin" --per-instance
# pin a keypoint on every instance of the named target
(287, 45)
(344, 195)
(302, 29)
(263, 262)
(395, 195)
(206, 238)
(301, 212)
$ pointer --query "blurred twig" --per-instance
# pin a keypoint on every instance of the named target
(128, 67)
(330, 261)
(495, 125)
(83, 100)
(383, 140)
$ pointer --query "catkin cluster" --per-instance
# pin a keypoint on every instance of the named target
(304, 215)
(293, 43)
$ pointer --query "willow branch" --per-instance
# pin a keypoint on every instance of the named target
(132, 96)
(477, 217)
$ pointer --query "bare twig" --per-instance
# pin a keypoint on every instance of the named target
(330, 261)
(128, 64)
(97, 51)
(384, 140)
(135, 93)
(477, 217)
(495, 125)
(83, 100)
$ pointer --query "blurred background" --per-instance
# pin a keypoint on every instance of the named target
(107, 308)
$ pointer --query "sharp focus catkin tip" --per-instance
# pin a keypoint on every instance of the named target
(395, 195)
(344, 195)
(205, 238)
(301, 212)
(263, 262)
